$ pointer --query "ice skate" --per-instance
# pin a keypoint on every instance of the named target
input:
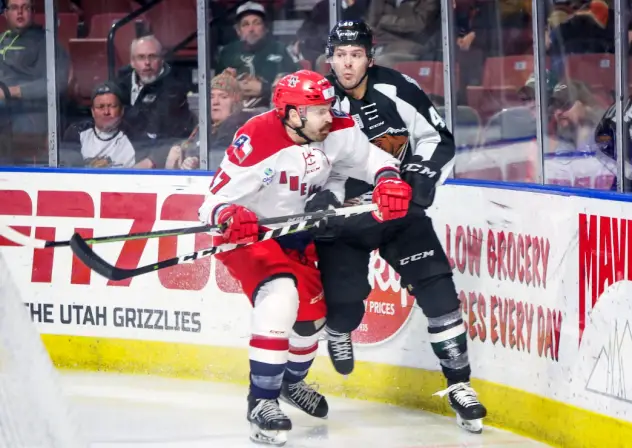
(305, 397)
(340, 351)
(464, 401)
(268, 424)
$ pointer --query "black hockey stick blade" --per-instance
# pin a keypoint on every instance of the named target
(85, 253)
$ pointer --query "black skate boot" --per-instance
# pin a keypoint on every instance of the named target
(469, 411)
(340, 351)
(268, 424)
(305, 397)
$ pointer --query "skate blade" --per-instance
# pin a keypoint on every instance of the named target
(267, 437)
(473, 426)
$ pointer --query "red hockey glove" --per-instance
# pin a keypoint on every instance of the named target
(240, 225)
(392, 196)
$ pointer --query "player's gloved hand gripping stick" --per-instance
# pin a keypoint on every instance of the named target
(85, 253)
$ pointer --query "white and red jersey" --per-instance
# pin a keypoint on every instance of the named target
(580, 169)
(266, 172)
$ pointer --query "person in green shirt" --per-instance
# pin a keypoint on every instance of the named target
(256, 58)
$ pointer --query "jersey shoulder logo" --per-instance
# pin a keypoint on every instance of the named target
(411, 80)
(338, 113)
(393, 141)
(242, 147)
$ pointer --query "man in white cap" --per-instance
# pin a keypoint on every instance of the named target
(257, 58)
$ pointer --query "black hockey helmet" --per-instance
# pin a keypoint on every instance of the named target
(350, 32)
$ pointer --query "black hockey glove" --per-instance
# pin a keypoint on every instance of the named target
(330, 228)
(422, 176)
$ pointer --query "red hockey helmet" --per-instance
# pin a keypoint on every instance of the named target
(301, 89)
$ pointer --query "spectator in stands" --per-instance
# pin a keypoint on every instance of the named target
(406, 30)
(575, 159)
(23, 71)
(555, 19)
(156, 100)
(497, 28)
(256, 58)
(527, 92)
(586, 31)
(227, 116)
(312, 35)
(575, 114)
(108, 140)
(463, 15)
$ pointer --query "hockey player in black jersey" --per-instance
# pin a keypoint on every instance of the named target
(398, 117)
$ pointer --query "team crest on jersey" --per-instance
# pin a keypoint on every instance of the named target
(241, 147)
(338, 113)
(393, 141)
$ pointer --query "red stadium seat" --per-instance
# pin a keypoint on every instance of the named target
(89, 61)
(428, 74)
(592, 69)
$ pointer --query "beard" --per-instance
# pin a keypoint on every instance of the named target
(321, 134)
(147, 79)
(567, 131)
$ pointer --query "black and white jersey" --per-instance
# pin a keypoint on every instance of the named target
(397, 116)
(84, 145)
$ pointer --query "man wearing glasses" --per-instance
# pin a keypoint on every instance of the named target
(156, 101)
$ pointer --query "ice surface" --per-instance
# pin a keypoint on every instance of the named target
(121, 411)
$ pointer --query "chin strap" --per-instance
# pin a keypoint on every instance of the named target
(299, 131)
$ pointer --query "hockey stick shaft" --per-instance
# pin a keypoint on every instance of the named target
(85, 253)
(20, 238)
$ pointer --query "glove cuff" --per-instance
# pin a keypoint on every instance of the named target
(215, 213)
(387, 173)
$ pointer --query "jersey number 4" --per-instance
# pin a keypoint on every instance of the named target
(220, 179)
(436, 119)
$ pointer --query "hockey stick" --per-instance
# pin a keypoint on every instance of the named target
(85, 253)
(19, 238)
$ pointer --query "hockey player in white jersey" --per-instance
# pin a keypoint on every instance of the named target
(277, 160)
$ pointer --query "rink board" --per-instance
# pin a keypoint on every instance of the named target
(544, 279)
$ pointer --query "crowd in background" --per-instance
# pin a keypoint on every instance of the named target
(145, 116)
